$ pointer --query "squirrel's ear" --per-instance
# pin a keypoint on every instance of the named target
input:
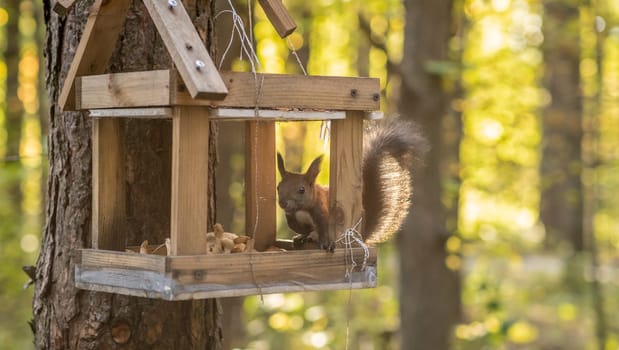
(280, 165)
(314, 169)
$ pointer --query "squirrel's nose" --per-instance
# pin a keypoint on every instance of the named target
(287, 204)
(282, 204)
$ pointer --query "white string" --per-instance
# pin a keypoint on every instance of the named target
(350, 237)
(247, 47)
(294, 53)
(325, 132)
(247, 50)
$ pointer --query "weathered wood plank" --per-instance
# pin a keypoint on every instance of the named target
(139, 283)
(260, 196)
(276, 91)
(295, 91)
(308, 266)
(230, 114)
(279, 17)
(108, 185)
(273, 114)
(186, 49)
(124, 90)
(140, 113)
(154, 285)
(105, 21)
(345, 181)
(132, 261)
(361, 280)
(190, 135)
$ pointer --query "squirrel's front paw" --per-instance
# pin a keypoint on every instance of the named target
(299, 240)
(327, 245)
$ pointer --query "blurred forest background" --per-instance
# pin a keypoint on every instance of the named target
(533, 92)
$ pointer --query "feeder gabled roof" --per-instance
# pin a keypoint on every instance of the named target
(105, 21)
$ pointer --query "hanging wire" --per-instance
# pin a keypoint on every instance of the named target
(238, 29)
(247, 50)
(296, 55)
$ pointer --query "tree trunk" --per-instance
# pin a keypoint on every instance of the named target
(67, 318)
(561, 203)
(14, 106)
(430, 292)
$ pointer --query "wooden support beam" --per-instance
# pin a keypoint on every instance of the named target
(108, 185)
(190, 135)
(277, 91)
(279, 16)
(296, 91)
(186, 49)
(260, 197)
(105, 21)
(345, 181)
(125, 89)
(61, 7)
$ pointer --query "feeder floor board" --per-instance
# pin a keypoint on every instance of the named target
(224, 275)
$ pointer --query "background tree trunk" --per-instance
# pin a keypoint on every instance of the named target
(14, 108)
(430, 292)
(67, 318)
(561, 202)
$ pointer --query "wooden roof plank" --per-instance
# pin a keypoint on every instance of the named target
(105, 21)
(186, 49)
(279, 16)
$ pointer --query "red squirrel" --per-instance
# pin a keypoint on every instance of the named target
(390, 149)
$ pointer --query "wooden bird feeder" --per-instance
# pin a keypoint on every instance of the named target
(192, 95)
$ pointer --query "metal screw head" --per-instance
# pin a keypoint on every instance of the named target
(172, 4)
(354, 93)
(200, 64)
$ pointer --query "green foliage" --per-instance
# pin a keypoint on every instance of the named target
(500, 145)
(327, 320)
(18, 247)
(515, 295)
(21, 199)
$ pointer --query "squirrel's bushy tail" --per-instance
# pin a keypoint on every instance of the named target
(390, 149)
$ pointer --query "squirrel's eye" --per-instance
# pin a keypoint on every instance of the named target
(301, 190)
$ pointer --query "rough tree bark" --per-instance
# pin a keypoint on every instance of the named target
(67, 318)
(562, 199)
(430, 292)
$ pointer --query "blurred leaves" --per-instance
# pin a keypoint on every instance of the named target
(515, 294)
(21, 196)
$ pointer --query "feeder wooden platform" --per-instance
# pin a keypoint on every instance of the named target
(223, 275)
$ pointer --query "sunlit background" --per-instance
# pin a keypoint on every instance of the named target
(22, 163)
(518, 291)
